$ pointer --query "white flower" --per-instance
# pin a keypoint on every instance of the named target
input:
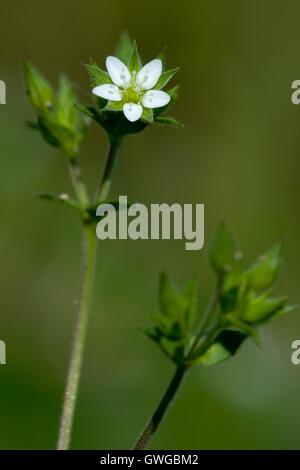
(134, 89)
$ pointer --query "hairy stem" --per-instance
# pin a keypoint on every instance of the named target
(77, 180)
(161, 410)
(88, 263)
(113, 155)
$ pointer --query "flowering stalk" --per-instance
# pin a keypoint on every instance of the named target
(86, 285)
(112, 159)
(241, 302)
(128, 98)
(162, 409)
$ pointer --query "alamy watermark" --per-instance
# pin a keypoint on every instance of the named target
(2, 352)
(177, 221)
(2, 92)
(295, 357)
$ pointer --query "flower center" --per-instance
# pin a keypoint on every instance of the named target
(132, 95)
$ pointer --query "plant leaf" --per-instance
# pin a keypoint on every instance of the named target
(62, 199)
(225, 346)
(91, 210)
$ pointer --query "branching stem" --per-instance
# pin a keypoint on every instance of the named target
(181, 371)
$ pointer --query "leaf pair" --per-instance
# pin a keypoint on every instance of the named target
(89, 212)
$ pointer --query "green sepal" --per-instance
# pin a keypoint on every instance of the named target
(58, 135)
(162, 55)
(97, 75)
(124, 48)
(222, 251)
(173, 93)
(262, 274)
(113, 106)
(135, 63)
(229, 298)
(115, 124)
(169, 297)
(169, 121)
(175, 305)
(66, 113)
(147, 115)
(38, 89)
(165, 78)
(171, 327)
(261, 308)
(173, 349)
(57, 119)
(91, 112)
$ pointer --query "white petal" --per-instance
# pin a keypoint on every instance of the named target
(155, 99)
(118, 71)
(149, 74)
(108, 92)
(132, 111)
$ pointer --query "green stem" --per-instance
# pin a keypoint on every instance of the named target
(88, 263)
(207, 315)
(113, 155)
(77, 180)
(208, 338)
(180, 372)
(162, 409)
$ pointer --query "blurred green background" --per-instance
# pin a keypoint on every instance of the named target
(238, 154)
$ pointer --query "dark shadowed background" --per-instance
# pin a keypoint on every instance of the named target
(238, 154)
